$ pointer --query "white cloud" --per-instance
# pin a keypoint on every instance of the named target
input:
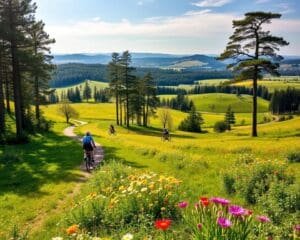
(212, 3)
(261, 1)
(193, 32)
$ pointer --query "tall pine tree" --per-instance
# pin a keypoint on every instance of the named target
(254, 52)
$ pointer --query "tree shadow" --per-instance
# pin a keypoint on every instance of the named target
(51, 159)
(156, 132)
(110, 153)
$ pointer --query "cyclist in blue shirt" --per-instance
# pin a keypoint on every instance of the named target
(88, 143)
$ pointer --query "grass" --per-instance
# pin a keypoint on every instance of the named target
(41, 187)
(36, 180)
(219, 102)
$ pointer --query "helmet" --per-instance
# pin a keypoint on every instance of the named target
(88, 133)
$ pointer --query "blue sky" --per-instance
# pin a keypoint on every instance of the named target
(165, 26)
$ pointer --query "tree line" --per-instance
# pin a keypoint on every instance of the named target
(25, 64)
(285, 101)
(135, 96)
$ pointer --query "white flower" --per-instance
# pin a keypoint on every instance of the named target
(144, 189)
(127, 236)
(57, 238)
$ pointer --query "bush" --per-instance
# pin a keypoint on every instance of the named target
(293, 157)
(10, 158)
(220, 126)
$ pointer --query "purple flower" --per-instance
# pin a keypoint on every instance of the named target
(199, 226)
(236, 210)
(182, 204)
(221, 201)
(297, 228)
(224, 222)
(263, 219)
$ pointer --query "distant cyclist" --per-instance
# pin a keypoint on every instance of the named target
(112, 130)
(88, 143)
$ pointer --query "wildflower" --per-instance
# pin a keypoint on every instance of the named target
(182, 204)
(221, 201)
(72, 229)
(144, 189)
(57, 238)
(197, 205)
(297, 228)
(199, 226)
(248, 212)
(96, 238)
(236, 210)
(263, 219)
(224, 222)
(163, 224)
(204, 201)
(127, 236)
(163, 209)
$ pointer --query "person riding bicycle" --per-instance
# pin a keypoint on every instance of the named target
(88, 144)
(166, 133)
(112, 129)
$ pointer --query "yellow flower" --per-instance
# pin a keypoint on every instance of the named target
(163, 209)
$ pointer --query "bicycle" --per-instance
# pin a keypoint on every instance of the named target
(166, 137)
(89, 162)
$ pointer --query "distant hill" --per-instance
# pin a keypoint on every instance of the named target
(148, 60)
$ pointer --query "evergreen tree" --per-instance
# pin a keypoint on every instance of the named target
(229, 118)
(115, 82)
(41, 64)
(87, 91)
(193, 122)
(254, 51)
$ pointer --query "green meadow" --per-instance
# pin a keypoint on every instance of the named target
(44, 182)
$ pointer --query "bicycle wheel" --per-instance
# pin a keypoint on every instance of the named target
(88, 163)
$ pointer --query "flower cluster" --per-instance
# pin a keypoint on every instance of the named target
(216, 218)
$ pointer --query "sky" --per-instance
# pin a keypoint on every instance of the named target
(159, 26)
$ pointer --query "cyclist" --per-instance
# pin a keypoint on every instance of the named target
(88, 144)
(112, 129)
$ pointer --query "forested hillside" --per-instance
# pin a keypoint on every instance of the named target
(74, 73)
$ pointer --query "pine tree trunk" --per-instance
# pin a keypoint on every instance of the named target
(7, 90)
(2, 106)
(121, 113)
(254, 108)
(37, 100)
(127, 108)
(117, 107)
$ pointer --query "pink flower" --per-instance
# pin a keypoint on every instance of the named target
(297, 228)
(197, 205)
(199, 226)
(263, 219)
(182, 204)
(236, 210)
(221, 201)
(224, 222)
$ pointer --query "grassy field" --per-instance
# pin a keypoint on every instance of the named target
(48, 180)
(219, 102)
(37, 181)
(92, 84)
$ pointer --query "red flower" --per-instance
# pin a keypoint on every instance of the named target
(204, 201)
(163, 224)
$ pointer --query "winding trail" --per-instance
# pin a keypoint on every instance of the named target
(98, 152)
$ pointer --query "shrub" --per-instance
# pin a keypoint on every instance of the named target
(220, 126)
(192, 123)
(293, 157)
(228, 182)
(10, 158)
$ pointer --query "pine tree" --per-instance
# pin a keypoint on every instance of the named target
(87, 91)
(41, 64)
(254, 51)
(229, 118)
(193, 122)
(115, 82)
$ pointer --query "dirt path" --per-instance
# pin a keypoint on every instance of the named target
(98, 152)
(38, 222)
